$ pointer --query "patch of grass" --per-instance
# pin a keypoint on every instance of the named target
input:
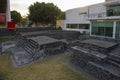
(49, 69)
(3, 39)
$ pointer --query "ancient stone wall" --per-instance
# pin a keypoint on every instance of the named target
(102, 64)
(6, 32)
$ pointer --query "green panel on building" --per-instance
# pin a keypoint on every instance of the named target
(102, 28)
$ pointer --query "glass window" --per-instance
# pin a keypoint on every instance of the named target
(84, 26)
(113, 10)
(68, 26)
(78, 26)
(102, 28)
(74, 26)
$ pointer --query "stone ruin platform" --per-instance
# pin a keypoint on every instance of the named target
(44, 41)
(99, 43)
(31, 49)
(100, 58)
(33, 46)
(101, 46)
(57, 34)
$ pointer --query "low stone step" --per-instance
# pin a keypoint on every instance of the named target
(94, 54)
(30, 51)
(104, 72)
(33, 42)
(32, 45)
(114, 63)
(115, 57)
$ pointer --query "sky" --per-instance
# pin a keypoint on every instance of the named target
(22, 5)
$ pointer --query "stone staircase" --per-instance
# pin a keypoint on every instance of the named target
(38, 47)
(103, 72)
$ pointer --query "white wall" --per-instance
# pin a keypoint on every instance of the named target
(93, 12)
(76, 15)
(97, 11)
(63, 24)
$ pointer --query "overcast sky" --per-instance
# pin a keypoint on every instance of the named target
(22, 5)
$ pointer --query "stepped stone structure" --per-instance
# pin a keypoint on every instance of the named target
(101, 58)
(33, 48)
(98, 56)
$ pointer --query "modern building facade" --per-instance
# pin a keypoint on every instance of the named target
(5, 15)
(101, 20)
(77, 20)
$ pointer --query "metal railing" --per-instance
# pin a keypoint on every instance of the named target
(97, 15)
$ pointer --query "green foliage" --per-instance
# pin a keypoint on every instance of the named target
(3, 39)
(44, 13)
(16, 16)
(2, 23)
(25, 21)
(62, 16)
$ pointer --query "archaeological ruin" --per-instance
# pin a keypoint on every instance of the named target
(100, 57)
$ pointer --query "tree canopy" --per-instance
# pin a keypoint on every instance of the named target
(16, 17)
(44, 13)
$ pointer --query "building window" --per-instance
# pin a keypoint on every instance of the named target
(74, 26)
(84, 26)
(78, 26)
(102, 28)
(113, 10)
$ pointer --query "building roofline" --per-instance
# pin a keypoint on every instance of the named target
(85, 6)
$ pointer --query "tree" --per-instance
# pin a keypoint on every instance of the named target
(62, 15)
(44, 13)
(25, 21)
(16, 17)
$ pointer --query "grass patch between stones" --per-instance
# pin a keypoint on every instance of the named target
(3, 39)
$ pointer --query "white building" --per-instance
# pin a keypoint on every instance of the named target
(99, 20)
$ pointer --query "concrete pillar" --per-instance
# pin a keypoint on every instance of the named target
(64, 25)
(90, 28)
(114, 29)
(8, 14)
